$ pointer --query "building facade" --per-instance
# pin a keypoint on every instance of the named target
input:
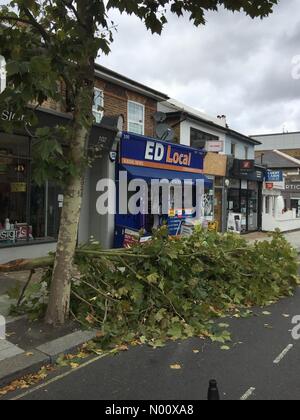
(235, 192)
(30, 215)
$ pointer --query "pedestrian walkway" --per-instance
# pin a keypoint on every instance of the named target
(292, 237)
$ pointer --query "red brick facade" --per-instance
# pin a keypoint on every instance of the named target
(116, 103)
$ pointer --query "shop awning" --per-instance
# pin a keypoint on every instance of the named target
(149, 173)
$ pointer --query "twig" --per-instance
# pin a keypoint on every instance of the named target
(25, 288)
(98, 291)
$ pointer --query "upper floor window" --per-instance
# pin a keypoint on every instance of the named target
(233, 149)
(199, 138)
(136, 118)
(98, 106)
(246, 152)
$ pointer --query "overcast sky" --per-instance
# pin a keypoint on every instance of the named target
(233, 66)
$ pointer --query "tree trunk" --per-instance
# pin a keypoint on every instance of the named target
(60, 291)
(59, 300)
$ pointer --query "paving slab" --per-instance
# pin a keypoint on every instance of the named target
(10, 352)
(70, 342)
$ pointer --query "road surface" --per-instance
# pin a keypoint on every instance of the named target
(263, 363)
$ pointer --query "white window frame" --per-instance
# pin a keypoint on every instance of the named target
(98, 112)
(2, 74)
(135, 122)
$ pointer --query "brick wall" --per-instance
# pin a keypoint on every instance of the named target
(115, 103)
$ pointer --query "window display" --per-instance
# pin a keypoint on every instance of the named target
(26, 210)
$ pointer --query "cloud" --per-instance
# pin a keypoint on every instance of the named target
(234, 65)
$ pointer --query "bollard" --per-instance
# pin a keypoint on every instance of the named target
(213, 392)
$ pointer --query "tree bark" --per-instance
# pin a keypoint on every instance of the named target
(60, 291)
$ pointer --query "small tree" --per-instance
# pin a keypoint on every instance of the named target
(49, 43)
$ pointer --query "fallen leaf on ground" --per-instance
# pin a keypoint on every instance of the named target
(266, 313)
(286, 315)
(225, 348)
(29, 354)
(176, 366)
(196, 351)
(122, 347)
(74, 365)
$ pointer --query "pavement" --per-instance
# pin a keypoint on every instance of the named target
(262, 363)
(292, 237)
(26, 346)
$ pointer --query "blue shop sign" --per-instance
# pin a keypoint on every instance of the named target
(145, 152)
(274, 176)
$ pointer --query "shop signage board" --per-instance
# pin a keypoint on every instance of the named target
(214, 146)
(274, 176)
(292, 186)
(149, 153)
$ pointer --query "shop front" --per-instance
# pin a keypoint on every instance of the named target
(215, 167)
(30, 214)
(292, 194)
(244, 196)
(156, 162)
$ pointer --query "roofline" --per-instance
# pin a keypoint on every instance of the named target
(275, 134)
(195, 118)
(244, 137)
(216, 126)
(114, 77)
(287, 157)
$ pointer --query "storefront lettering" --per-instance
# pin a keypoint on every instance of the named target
(156, 152)
(292, 187)
(11, 116)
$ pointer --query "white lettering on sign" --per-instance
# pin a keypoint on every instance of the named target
(154, 151)
(10, 116)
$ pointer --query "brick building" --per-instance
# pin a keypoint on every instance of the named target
(29, 215)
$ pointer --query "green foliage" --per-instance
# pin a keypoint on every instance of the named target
(53, 44)
(174, 288)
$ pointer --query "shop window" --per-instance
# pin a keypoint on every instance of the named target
(199, 138)
(136, 118)
(24, 206)
(98, 106)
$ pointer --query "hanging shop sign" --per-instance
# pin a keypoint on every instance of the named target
(274, 176)
(149, 153)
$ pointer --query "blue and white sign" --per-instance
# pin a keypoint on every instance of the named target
(145, 152)
(274, 176)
